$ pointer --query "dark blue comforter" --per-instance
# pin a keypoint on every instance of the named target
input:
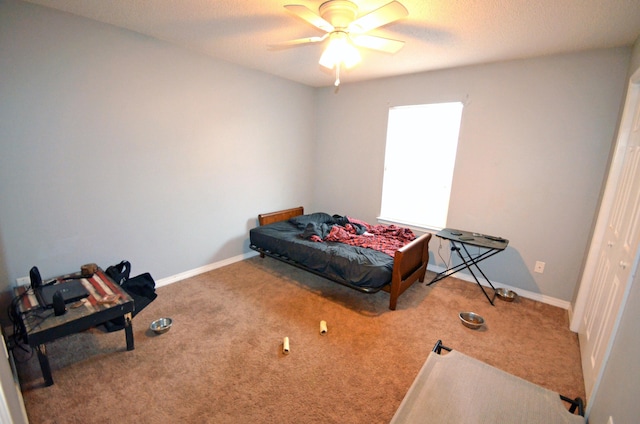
(358, 267)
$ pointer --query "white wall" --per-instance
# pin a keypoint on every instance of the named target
(532, 154)
(117, 146)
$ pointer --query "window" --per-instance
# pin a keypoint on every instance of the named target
(413, 194)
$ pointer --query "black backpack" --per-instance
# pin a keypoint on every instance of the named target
(141, 288)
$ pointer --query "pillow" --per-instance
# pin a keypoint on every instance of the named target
(302, 221)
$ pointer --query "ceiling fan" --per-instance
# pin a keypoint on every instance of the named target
(345, 30)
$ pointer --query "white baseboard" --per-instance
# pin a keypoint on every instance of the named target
(570, 311)
(201, 270)
(521, 292)
(433, 268)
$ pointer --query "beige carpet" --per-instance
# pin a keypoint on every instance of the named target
(222, 361)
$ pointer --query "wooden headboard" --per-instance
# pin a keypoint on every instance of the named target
(283, 215)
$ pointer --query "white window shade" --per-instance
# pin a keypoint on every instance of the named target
(420, 155)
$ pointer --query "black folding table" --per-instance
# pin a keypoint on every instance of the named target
(459, 239)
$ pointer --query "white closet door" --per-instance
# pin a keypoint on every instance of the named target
(616, 258)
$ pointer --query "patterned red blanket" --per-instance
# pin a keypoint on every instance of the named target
(384, 238)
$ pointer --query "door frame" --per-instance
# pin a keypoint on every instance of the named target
(586, 283)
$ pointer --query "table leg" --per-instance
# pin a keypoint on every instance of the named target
(44, 364)
(468, 267)
(450, 271)
(467, 262)
(128, 331)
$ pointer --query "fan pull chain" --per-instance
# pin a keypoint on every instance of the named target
(337, 83)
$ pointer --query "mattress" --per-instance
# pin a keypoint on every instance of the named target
(358, 267)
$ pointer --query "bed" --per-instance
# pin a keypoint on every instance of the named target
(288, 235)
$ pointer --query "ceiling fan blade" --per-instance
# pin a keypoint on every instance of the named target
(308, 15)
(386, 45)
(298, 41)
(383, 15)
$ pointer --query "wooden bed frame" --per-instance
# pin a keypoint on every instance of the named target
(409, 262)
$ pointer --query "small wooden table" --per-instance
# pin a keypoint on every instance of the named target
(41, 326)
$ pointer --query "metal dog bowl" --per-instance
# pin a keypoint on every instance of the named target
(506, 295)
(471, 320)
(161, 325)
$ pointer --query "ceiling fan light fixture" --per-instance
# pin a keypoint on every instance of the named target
(346, 31)
(340, 50)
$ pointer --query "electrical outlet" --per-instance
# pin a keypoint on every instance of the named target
(23, 281)
(539, 268)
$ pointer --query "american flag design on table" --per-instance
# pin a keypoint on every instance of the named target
(36, 325)
(99, 286)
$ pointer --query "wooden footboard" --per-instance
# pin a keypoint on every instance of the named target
(409, 263)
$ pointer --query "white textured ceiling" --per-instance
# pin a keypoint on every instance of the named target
(438, 33)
